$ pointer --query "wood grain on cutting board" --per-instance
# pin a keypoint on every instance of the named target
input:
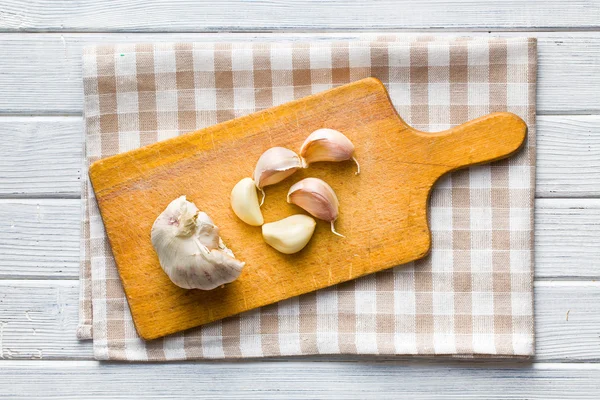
(382, 210)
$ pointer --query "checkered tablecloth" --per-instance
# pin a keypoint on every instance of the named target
(472, 296)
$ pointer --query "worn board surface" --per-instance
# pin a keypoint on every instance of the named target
(383, 210)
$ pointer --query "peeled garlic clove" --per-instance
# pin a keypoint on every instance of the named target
(317, 197)
(273, 166)
(327, 145)
(190, 250)
(290, 234)
(244, 202)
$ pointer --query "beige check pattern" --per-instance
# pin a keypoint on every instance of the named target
(472, 296)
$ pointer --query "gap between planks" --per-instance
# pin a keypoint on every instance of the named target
(292, 379)
(416, 362)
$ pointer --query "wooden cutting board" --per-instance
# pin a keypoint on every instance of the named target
(383, 211)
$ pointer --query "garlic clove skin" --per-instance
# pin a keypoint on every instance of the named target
(207, 232)
(190, 250)
(273, 166)
(318, 198)
(244, 202)
(327, 145)
(289, 235)
(315, 196)
(205, 271)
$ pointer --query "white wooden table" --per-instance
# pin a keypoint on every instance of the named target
(41, 132)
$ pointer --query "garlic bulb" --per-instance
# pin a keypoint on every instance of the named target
(244, 202)
(327, 145)
(289, 235)
(273, 166)
(318, 198)
(190, 250)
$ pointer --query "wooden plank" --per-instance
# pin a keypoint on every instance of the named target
(292, 379)
(42, 72)
(39, 238)
(568, 150)
(38, 319)
(47, 151)
(567, 321)
(40, 156)
(264, 15)
(568, 74)
(567, 238)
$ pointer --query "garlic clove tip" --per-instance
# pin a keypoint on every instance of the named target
(334, 231)
(357, 166)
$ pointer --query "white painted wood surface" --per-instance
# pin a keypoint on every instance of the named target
(40, 159)
(40, 238)
(568, 150)
(40, 313)
(42, 72)
(361, 380)
(334, 380)
(41, 156)
(269, 15)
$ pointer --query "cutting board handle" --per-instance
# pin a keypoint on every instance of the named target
(482, 140)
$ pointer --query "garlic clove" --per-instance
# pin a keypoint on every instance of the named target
(273, 166)
(190, 250)
(327, 145)
(244, 202)
(289, 235)
(318, 198)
